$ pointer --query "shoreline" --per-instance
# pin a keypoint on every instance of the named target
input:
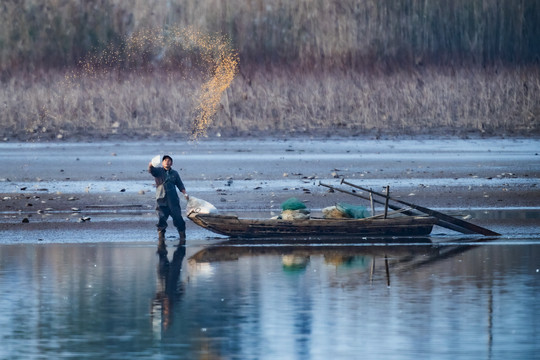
(237, 135)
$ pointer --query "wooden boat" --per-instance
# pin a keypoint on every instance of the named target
(233, 226)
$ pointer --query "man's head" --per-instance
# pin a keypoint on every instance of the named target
(166, 162)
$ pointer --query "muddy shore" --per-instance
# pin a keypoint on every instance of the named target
(58, 186)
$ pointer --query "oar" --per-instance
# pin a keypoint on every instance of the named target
(440, 222)
(439, 215)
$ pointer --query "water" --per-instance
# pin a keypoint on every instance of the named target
(455, 299)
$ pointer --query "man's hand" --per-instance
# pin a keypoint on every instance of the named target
(186, 196)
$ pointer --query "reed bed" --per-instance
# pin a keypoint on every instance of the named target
(311, 33)
(68, 68)
(275, 101)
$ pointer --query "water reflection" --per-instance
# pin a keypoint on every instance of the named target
(169, 288)
(232, 299)
(377, 261)
(397, 254)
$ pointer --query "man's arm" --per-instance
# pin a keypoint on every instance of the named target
(181, 186)
(153, 170)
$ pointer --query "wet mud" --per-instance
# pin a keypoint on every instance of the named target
(80, 189)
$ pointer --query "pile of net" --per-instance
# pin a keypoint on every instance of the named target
(199, 206)
(343, 210)
(294, 209)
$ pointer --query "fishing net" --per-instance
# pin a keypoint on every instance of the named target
(292, 204)
(353, 211)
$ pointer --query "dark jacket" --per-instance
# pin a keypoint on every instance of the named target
(166, 184)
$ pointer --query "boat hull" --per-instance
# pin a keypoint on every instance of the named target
(256, 228)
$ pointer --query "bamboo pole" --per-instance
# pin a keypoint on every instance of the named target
(372, 204)
(444, 220)
(393, 207)
(411, 212)
(386, 200)
(348, 192)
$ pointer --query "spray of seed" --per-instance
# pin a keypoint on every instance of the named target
(168, 49)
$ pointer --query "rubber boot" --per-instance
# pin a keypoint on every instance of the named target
(182, 236)
(161, 236)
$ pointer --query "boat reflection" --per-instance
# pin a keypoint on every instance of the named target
(398, 254)
(227, 282)
(337, 252)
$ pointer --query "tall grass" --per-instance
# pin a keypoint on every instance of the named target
(321, 33)
(279, 100)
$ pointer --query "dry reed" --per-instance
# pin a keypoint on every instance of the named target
(311, 33)
(356, 66)
(493, 101)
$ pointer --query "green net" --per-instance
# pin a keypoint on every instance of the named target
(292, 204)
(353, 211)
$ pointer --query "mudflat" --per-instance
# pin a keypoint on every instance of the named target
(59, 186)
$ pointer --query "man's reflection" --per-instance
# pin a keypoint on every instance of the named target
(169, 290)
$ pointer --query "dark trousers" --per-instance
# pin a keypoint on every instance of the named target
(164, 211)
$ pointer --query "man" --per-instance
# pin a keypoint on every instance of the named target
(168, 203)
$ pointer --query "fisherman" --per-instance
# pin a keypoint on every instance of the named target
(168, 203)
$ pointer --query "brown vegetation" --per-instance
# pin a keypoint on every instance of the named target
(335, 33)
(432, 100)
(353, 66)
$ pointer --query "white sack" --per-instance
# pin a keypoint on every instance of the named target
(199, 206)
(156, 160)
(301, 214)
(332, 212)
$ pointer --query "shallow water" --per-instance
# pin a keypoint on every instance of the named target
(465, 299)
(138, 226)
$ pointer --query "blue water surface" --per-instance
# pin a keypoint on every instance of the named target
(453, 299)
